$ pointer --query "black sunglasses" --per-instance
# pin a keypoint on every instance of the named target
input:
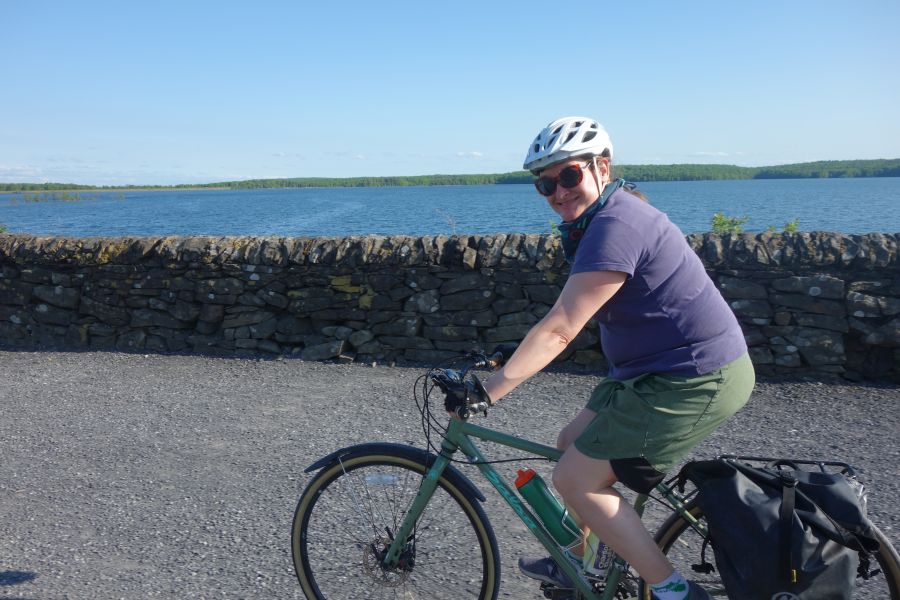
(568, 178)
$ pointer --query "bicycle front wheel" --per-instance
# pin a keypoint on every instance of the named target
(682, 545)
(347, 516)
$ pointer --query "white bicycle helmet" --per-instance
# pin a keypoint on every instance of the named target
(565, 138)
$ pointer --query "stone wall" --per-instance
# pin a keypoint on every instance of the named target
(809, 302)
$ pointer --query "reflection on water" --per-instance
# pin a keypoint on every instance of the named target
(845, 205)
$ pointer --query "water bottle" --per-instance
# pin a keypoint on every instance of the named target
(555, 518)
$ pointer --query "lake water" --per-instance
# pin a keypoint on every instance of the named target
(859, 205)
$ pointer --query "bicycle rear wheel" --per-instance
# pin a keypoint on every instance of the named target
(348, 514)
(682, 546)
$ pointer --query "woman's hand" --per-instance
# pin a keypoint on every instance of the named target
(464, 397)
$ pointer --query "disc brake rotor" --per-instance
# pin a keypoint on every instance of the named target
(372, 556)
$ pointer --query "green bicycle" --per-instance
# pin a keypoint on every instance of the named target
(383, 520)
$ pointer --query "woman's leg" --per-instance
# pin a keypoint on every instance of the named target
(570, 432)
(586, 486)
(566, 438)
(543, 568)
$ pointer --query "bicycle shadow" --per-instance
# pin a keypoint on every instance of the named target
(8, 578)
(16, 577)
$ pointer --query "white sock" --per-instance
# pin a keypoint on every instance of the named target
(674, 587)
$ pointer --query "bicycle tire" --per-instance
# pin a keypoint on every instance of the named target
(346, 514)
(682, 546)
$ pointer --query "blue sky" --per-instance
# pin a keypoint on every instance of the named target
(161, 92)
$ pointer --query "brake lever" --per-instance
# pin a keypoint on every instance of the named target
(444, 378)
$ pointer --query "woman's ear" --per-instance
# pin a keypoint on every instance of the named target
(602, 166)
(601, 169)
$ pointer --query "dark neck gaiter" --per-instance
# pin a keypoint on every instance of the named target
(571, 232)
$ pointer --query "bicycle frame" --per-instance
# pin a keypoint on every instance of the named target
(459, 437)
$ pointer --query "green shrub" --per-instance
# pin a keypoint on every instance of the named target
(789, 227)
(723, 224)
(554, 228)
(792, 226)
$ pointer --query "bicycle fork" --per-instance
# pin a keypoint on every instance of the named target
(423, 496)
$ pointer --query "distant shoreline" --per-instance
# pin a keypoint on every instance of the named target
(106, 190)
(636, 173)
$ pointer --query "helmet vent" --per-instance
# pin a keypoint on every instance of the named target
(566, 138)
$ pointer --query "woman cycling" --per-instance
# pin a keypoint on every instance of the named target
(678, 360)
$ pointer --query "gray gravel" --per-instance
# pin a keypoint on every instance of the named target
(132, 476)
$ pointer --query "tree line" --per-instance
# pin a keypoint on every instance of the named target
(636, 173)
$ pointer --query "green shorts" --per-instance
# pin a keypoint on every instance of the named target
(654, 420)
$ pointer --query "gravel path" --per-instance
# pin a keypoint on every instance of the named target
(132, 476)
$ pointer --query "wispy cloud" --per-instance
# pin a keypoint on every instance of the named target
(99, 174)
(345, 154)
(16, 173)
(717, 154)
(472, 154)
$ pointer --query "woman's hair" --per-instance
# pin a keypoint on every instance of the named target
(633, 192)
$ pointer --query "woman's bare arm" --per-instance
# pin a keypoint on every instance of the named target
(583, 295)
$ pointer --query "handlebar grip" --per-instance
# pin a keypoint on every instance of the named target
(501, 354)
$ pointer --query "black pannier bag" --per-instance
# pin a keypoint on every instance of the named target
(778, 529)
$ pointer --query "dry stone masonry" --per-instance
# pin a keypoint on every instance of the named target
(808, 302)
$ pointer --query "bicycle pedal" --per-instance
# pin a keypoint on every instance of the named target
(557, 593)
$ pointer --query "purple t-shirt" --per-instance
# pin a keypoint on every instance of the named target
(668, 316)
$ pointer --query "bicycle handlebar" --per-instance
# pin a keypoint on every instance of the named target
(496, 359)
(460, 387)
(477, 407)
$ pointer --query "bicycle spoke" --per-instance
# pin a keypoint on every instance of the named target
(352, 522)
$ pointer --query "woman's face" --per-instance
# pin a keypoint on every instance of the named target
(570, 203)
